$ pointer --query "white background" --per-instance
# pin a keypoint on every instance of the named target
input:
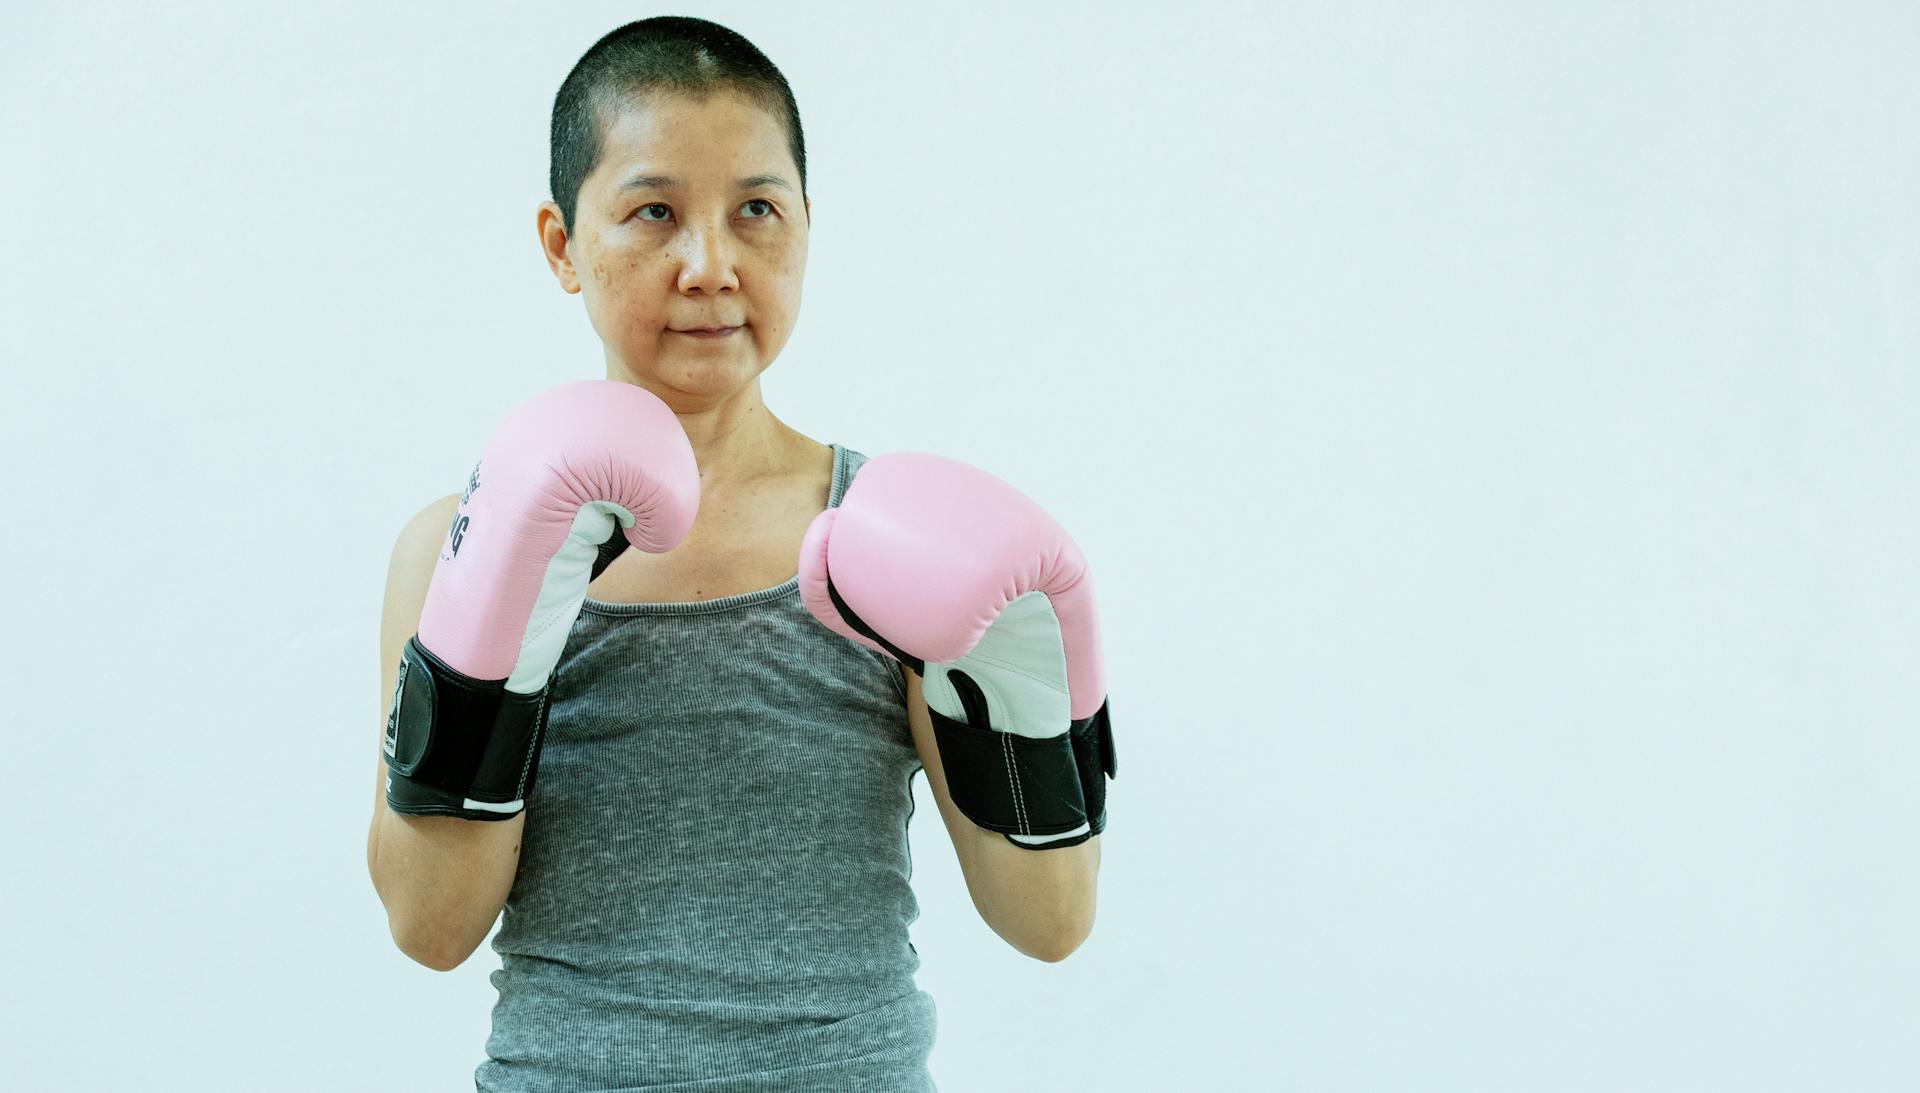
(1492, 428)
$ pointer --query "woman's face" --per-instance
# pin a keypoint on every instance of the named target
(692, 218)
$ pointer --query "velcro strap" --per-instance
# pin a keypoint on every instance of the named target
(462, 746)
(1093, 753)
(1010, 783)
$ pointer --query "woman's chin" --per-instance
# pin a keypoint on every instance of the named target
(699, 379)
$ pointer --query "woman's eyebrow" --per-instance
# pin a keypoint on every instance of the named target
(662, 182)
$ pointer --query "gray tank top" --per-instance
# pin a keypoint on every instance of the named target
(713, 884)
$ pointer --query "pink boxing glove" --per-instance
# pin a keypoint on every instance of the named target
(565, 469)
(959, 576)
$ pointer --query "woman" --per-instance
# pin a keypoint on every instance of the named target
(711, 879)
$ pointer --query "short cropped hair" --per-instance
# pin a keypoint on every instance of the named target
(668, 54)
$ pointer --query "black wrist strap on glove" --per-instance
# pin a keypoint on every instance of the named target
(1019, 785)
(458, 746)
(1005, 782)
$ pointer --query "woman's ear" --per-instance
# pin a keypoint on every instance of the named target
(550, 226)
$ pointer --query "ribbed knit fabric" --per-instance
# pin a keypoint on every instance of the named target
(713, 884)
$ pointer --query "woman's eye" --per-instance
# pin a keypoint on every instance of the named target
(660, 205)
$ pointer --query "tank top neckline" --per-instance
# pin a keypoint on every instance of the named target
(788, 587)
